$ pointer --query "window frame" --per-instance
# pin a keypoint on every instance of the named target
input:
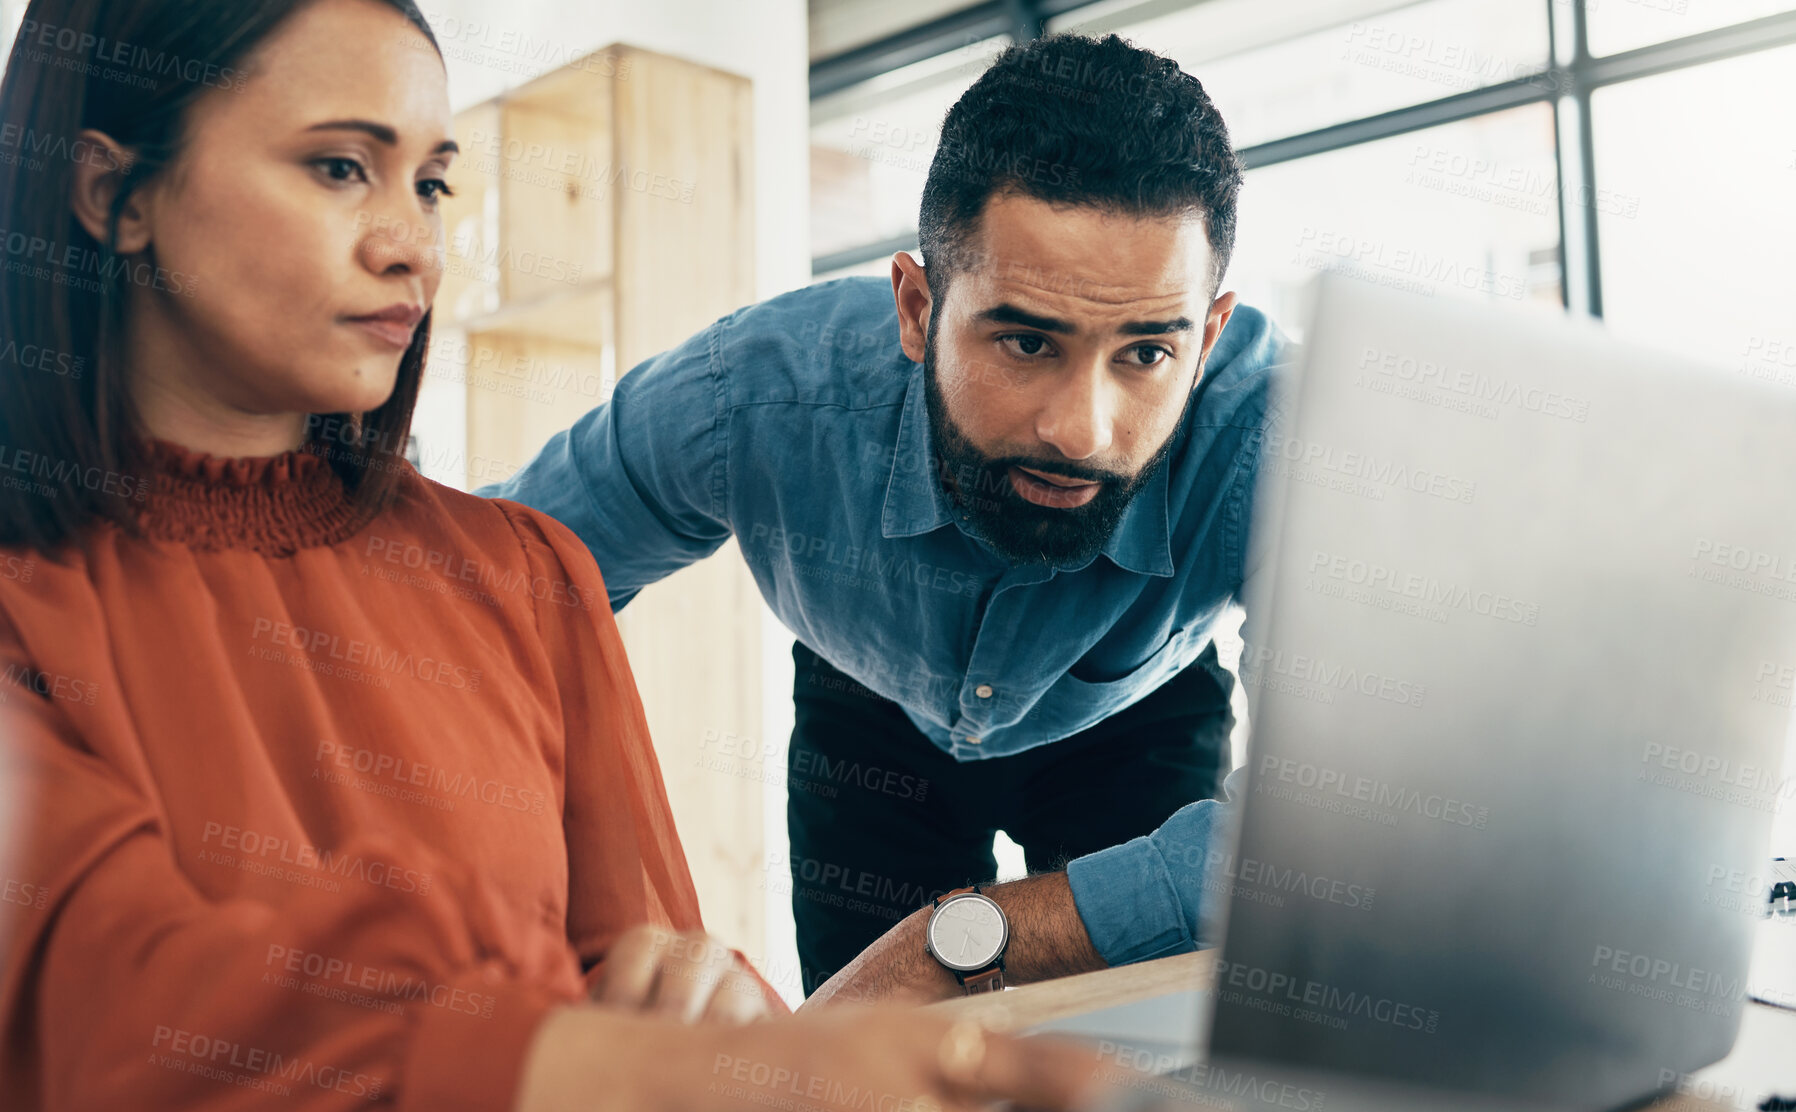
(1570, 76)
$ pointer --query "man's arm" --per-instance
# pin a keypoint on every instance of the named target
(1146, 898)
(1047, 940)
(642, 477)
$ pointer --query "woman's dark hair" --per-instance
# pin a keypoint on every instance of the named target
(1071, 119)
(71, 449)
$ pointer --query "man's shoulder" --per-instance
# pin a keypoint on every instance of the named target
(833, 343)
(1240, 381)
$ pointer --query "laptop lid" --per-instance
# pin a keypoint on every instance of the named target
(1521, 590)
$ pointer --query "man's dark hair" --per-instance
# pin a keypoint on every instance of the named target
(1070, 119)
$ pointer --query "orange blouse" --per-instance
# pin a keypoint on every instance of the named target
(307, 810)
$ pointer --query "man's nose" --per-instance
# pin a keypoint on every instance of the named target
(1079, 418)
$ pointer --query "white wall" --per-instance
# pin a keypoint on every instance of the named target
(11, 12)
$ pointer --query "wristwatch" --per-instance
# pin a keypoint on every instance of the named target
(968, 934)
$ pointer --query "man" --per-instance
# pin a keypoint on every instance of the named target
(1001, 506)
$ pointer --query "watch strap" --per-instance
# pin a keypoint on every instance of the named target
(989, 979)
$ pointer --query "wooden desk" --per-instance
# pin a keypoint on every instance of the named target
(1028, 1005)
(1764, 1056)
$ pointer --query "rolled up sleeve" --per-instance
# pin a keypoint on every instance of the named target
(1155, 895)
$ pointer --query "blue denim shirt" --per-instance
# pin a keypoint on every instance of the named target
(799, 426)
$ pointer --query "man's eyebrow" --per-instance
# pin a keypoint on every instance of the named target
(381, 132)
(1156, 327)
(1010, 314)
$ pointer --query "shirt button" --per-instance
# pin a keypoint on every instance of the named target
(984, 691)
(971, 740)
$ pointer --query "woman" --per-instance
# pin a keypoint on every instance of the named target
(332, 782)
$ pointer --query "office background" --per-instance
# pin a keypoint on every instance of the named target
(1633, 160)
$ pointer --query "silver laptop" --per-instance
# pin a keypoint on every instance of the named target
(1525, 595)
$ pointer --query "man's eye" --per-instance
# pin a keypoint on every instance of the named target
(1024, 343)
(1148, 355)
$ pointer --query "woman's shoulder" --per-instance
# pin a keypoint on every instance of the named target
(437, 528)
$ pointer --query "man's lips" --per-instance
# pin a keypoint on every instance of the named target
(1054, 491)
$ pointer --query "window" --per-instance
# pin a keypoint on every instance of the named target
(1349, 68)
(1694, 212)
(1509, 169)
(877, 267)
(841, 25)
(1618, 25)
(871, 146)
(1467, 209)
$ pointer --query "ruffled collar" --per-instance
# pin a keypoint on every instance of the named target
(275, 505)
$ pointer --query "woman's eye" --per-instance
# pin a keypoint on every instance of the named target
(441, 189)
(1026, 344)
(349, 165)
(1148, 355)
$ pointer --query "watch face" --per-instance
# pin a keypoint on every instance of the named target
(967, 933)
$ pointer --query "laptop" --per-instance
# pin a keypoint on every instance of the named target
(1522, 597)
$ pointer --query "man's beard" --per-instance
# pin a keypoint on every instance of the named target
(1018, 530)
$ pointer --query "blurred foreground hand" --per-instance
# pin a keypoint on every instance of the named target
(686, 976)
(885, 1058)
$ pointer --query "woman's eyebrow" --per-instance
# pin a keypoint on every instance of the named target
(381, 132)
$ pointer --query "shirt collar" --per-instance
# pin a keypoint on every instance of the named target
(1143, 538)
(916, 503)
(915, 500)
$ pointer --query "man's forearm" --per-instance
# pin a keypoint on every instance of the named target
(1047, 940)
(1047, 937)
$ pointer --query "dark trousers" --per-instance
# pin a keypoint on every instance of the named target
(882, 821)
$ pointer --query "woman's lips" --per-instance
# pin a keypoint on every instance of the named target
(388, 331)
(1059, 494)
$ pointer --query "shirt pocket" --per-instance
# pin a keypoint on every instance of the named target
(1124, 663)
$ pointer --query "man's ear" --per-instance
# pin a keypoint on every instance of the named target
(1220, 311)
(99, 173)
(910, 291)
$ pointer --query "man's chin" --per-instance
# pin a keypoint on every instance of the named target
(1025, 533)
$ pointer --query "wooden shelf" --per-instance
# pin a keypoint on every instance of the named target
(603, 213)
(576, 314)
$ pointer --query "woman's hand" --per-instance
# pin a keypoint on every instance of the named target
(899, 1060)
(686, 976)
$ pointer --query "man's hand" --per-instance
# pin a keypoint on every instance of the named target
(684, 975)
(1047, 940)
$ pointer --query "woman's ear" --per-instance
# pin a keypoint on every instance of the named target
(100, 168)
